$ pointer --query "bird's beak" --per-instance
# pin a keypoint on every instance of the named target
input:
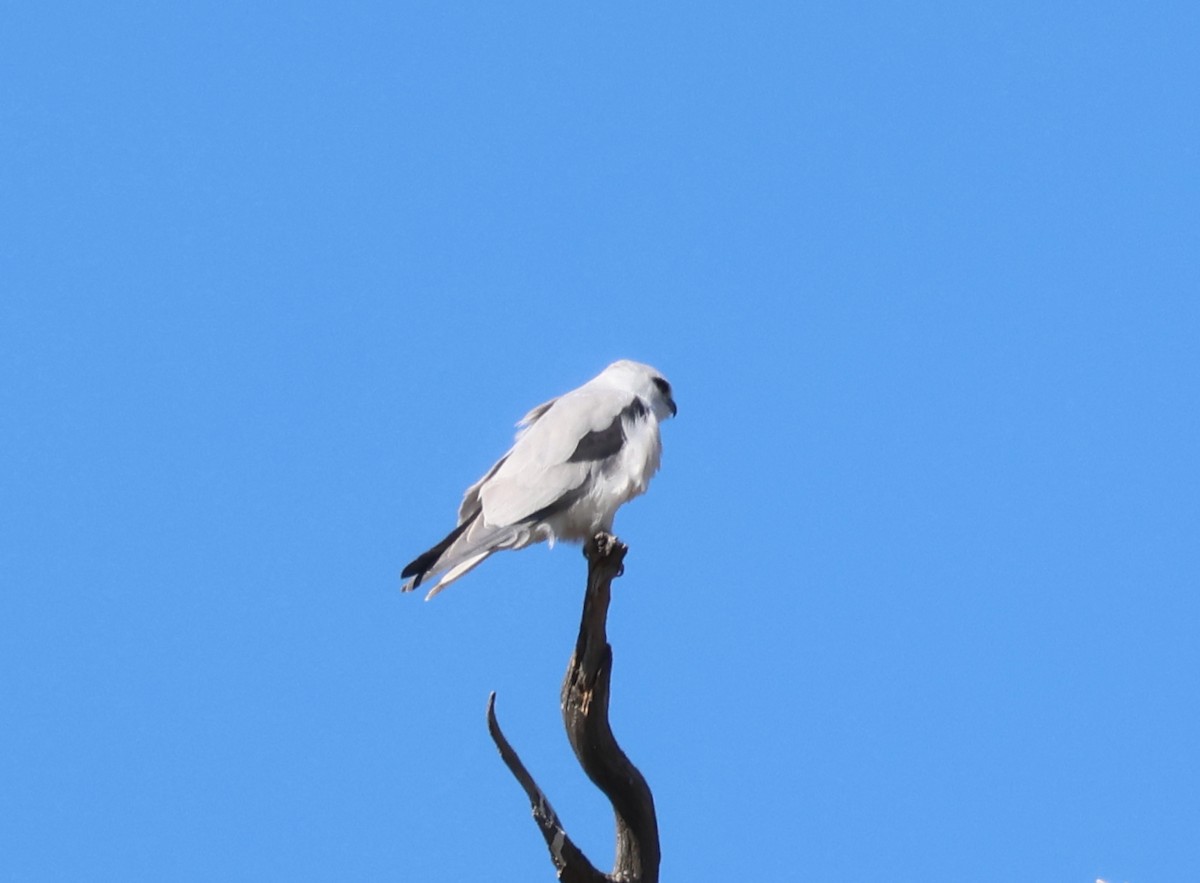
(671, 403)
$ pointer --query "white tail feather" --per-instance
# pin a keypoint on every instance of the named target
(458, 570)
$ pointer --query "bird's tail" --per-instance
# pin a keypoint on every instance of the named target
(463, 549)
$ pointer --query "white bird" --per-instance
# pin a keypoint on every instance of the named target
(575, 460)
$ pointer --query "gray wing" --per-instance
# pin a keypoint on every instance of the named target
(554, 456)
(470, 503)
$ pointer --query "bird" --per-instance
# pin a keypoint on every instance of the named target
(575, 460)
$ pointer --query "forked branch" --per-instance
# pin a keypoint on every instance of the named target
(585, 693)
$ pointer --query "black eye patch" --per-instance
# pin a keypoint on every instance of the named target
(663, 386)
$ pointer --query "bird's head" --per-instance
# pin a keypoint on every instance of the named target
(644, 382)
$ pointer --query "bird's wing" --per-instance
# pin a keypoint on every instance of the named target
(470, 502)
(554, 455)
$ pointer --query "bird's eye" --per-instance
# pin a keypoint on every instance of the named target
(663, 386)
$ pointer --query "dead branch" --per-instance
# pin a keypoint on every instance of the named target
(585, 693)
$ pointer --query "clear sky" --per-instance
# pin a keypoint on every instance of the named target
(914, 596)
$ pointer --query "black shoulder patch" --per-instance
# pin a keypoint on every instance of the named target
(600, 444)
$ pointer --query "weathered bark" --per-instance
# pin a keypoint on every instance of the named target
(585, 714)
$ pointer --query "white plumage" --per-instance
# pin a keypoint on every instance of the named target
(575, 460)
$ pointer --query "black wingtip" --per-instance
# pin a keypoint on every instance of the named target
(421, 565)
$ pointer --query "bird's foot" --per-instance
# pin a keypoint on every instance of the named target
(605, 545)
(602, 543)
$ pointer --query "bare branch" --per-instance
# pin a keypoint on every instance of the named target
(572, 865)
(585, 694)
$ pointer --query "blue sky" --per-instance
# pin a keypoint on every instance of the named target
(914, 596)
